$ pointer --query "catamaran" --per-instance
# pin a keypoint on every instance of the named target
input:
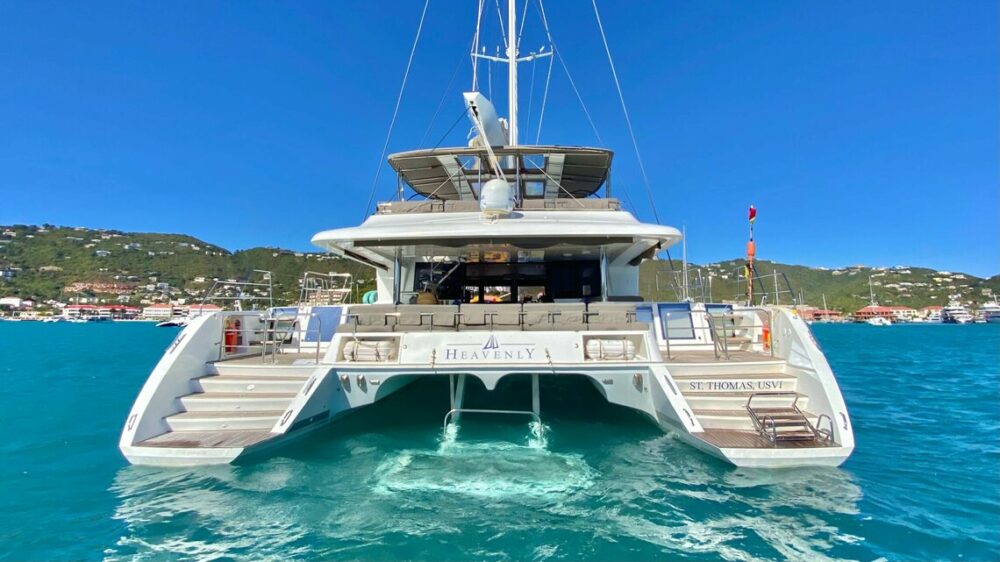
(497, 260)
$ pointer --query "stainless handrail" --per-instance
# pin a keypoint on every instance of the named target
(270, 332)
(720, 341)
(239, 286)
(774, 430)
(482, 411)
(231, 314)
(715, 336)
(792, 393)
(760, 423)
(354, 313)
(827, 434)
(315, 284)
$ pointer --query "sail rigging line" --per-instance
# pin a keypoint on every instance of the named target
(395, 112)
(559, 185)
(545, 99)
(569, 76)
(541, 10)
(475, 48)
(524, 18)
(450, 129)
(438, 188)
(503, 32)
(572, 83)
(531, 99)
(440, 104)
(628, 120)
(489, 77)
(548, 33)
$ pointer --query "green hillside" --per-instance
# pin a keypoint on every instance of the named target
(45, 262)
(846, 288)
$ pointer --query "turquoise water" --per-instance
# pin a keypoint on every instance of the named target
(923, 484)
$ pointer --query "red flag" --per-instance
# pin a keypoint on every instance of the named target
(753, 214)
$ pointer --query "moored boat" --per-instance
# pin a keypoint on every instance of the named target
(990, 312)
(956, 313)
(507, 261)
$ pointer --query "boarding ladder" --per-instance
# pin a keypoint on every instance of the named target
(784, 423)
(456, 396)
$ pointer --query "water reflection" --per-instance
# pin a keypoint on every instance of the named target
(605, 487)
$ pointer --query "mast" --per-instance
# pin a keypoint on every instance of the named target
(512, 69)
(511, 58)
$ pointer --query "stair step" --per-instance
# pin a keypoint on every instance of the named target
(796, 436)
(263, 369)
(236, 401)
(712, 367)
(779, 423)
(226, 438)
(256, 383)
(738, 400)
(740, 419)
(727, 383)
(206, 421)
(776, 412)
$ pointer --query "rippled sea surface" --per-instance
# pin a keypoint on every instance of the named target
(599, 483)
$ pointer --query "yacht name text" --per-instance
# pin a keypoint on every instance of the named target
(485, 355)
(735, 385)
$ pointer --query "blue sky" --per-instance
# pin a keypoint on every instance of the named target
(863, 132)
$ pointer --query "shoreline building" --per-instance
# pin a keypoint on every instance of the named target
(903, 313)
(874, 311)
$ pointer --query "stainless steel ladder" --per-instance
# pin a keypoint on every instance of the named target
(783, 423)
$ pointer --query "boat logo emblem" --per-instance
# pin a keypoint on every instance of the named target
(491, 343)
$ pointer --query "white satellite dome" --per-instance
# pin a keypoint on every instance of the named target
(496, 198)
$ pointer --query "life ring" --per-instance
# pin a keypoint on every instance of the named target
(370, 297)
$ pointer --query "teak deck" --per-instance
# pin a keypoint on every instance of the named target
(737, 439)
(236, 438)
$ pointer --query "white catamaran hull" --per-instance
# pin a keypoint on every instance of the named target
(165, 427)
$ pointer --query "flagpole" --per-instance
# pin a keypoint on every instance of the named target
(751, 253)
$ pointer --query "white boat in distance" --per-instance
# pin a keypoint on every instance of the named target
(878, 321)
(990, 312)
(956, 313)
(534, 267)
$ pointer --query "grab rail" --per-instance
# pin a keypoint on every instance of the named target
(717, 342)
(795, 398)
(273, 337)
(271, 329)
(721, 334)
(774, 430)
(827, 434)
(453, 411)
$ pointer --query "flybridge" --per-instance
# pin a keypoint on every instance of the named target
(541, 172)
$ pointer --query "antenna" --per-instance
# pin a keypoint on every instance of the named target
(511, 60)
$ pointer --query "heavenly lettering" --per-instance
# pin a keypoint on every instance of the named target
(488, 354)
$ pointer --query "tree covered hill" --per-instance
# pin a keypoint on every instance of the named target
(846, 288)
(62, 263)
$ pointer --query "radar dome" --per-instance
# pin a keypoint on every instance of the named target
(496, 198)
